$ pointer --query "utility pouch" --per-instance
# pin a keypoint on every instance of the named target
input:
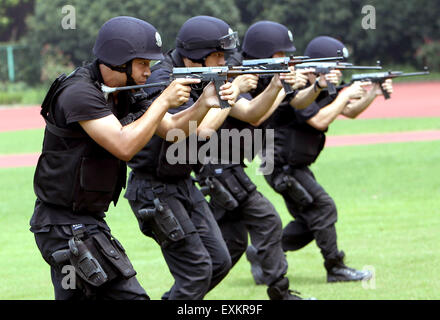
(235, 187)
(114, 255)
(244, 179)
(97, 184)
(56, 175)
(220, 196)
(165, 227)
(286, 183)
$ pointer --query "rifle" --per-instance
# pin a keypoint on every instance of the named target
(283, 63)
(381, 77)
(327, 67)
(218, 75)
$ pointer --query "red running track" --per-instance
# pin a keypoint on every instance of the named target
(408, 100)
(375, 138)
(13, 119)
(19, 160)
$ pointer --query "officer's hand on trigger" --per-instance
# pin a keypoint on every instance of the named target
(246, 82)
(178, 92)
(229, 92)
(356, 90)
(387, 86)
(333, 76)
(311, 75)
(210, 96)
(302, 77)
(289, 78)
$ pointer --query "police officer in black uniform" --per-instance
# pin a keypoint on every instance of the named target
(82, 167)
(163, 196)
(299, 139)
(237, 205)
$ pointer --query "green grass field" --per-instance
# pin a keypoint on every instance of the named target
(387, 197)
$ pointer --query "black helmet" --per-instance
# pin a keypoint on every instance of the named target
(122, 39)
(265, 38)
(325, 47)
(202, 35)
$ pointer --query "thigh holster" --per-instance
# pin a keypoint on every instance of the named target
(165, 226)
(232, 183)
(286, 183)
(220, 196)
(97, 258)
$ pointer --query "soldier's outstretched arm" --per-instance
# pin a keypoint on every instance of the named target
(329, 113)
(125, 141)
(197, 111)
(216, 116)
(356, 107)
(253, 110)
(306, 96)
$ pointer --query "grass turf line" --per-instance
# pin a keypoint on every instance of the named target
(30, 141)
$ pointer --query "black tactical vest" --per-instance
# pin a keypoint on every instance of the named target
(84, 178)
(246, 144)
(152, 158)
(297, 143)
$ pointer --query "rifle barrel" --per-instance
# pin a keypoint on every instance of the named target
(240, 72)
(362, 67)
(299, 61)
(299, 57)
(412, 74)
(388, 75)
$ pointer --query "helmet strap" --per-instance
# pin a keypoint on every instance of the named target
(126, 68)
(128, 72)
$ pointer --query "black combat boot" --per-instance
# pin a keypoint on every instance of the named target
(256, 270)
(280, 291)
(338, 271)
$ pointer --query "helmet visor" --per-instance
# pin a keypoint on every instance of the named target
(229, 42)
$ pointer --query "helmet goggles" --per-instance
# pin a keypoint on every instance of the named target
(227, 42)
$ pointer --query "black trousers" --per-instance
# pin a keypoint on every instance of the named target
(200, 260)
(256, 217)
(56, 237)
(314, 222)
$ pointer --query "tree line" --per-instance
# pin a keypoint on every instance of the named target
(406, 31)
